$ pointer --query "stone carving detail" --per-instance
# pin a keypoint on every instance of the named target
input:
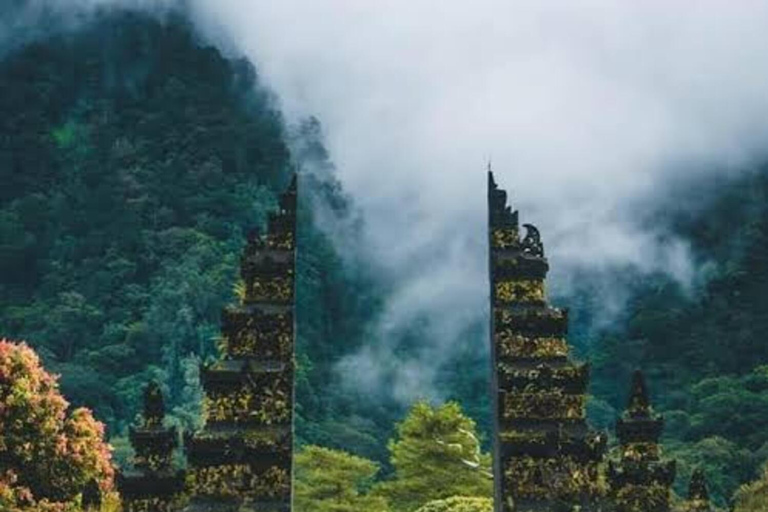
(532, 245)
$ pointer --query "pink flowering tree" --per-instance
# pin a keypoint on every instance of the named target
(47, 454)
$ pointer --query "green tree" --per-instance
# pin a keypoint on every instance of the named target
(753, 497)
(334, 481)
(436, 454)
(724, 462)
(459, 504)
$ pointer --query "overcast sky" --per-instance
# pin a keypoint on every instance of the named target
(586, 109)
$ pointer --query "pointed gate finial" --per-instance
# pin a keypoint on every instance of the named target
(639, 402)
(697, 489)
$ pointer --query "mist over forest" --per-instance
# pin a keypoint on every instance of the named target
(141, 141)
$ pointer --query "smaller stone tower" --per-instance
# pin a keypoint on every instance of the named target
(641, 481)
(698, 495)
(153, 484)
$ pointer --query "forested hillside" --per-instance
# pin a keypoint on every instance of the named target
(134, 158)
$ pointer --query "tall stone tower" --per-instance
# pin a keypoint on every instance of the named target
(241, 461)
(641, 481)
(546, 458)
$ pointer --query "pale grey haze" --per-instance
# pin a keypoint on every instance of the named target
(586, 109)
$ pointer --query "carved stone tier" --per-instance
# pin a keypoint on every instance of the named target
(240, 445)
(253, 333)
(519, 292)
(281, 236)
(278, 290)
(153, 446)
(259, 261)
(229, 374)
(545, 483)
(638, 473)
(541, 405)
(143, 491)
(539, 322)
(570, 379)
(644, 430)
(230, 469)
(530, 349)
(248, 393)
(248, 466)
(271, 285)
(540, 443)
(512, 264)
(572, 428)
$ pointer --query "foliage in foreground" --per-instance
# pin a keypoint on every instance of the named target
(334, 481)
(459, 504)
(47, 456)
(753, 497)
(436, 457)
(436, 454)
